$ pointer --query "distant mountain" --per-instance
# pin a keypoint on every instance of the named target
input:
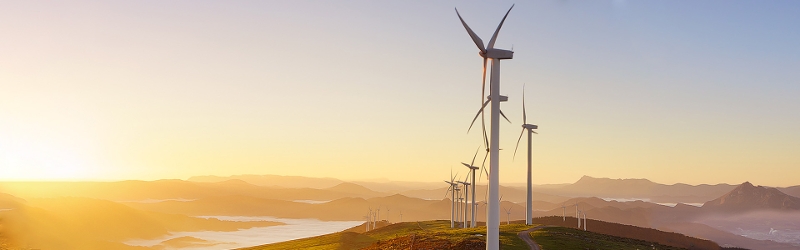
(747, 197)
(273, 180)
(351, 188)
(589, 186)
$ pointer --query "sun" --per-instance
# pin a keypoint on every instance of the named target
(29, 158)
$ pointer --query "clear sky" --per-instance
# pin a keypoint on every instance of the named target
(673, 91)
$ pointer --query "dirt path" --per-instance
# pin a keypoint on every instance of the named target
(526, 236)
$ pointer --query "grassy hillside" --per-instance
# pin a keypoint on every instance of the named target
(571, 238)
(676, 240)
(423, 235)
(439, 235)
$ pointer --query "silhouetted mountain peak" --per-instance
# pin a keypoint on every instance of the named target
(747, 197)
(347, 187)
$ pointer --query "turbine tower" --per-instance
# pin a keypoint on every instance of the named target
(530, 128)
(472, 169)
(466, 200)
(452, 190)
(508, 215)
(584, 221)
(489, 52)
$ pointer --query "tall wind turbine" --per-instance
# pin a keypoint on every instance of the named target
(489, 52)
(472, 169)
(564, 212)
(529, 128)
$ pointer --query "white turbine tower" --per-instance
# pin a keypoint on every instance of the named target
(366, 223)
(564, 212)
(489, 52)
(401, 216)
(584, 221)
(508, 215)
(452, 190)
(466, 199)
(388, 218)
(472, 169)
(529, 128)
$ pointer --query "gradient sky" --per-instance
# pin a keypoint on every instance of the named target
(673, 91)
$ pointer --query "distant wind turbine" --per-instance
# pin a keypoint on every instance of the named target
(388, 218)
(584, 221)
(452, 190)
(472, 169)
(563, 212)
(489, 52)
(466, 199)
(401, 216)
(529, 128)
(508, 215)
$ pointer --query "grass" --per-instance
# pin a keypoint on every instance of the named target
(424, 234)
(570, 238)
(439, 235)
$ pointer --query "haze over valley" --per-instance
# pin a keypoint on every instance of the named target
(211, 212)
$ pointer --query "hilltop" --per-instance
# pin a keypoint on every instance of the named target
(747, 197)
(439, 235)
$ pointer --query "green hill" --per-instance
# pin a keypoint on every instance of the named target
(439, 235)
(423, 234)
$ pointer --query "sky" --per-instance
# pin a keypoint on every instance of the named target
(672, 91)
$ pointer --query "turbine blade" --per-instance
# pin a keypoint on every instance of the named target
(534, 132)
(524, 114)
(480, 111)
(517, 147)
(467, 165)
(483, 165)
(494, 37)
(473, 157)
(472, 34)
(504, 116)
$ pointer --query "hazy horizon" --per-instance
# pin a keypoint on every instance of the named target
(674, 92)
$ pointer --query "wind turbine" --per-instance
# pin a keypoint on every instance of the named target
(388, 218)
(401, 216)
(489, 52)
(508, 215)
(472, 169)
(466, 199)
(529, 128)
(367, 223)
(452, 190)
(564, 212)
(584, 221)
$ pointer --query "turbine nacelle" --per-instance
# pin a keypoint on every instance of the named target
(529, 126)
(499, 54)
(502, 99)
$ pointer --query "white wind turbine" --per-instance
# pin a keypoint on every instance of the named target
(508, 215)
(529, 128)
(401, 216)
(564, 212)
(388, 218)
(452, 189)
(584, 221)
(472, 169)
(489, 52)
(466, 199)
(367, 223)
